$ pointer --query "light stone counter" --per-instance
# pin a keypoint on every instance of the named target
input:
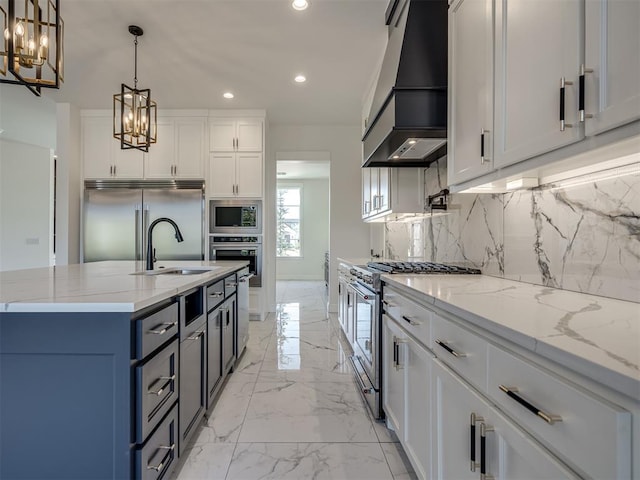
(100, 286)
(597, 337)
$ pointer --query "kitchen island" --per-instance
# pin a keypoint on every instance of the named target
(93, 365)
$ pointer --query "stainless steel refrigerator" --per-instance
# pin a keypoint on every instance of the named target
(117, 215)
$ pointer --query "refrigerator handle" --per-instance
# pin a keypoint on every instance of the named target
(137, 230)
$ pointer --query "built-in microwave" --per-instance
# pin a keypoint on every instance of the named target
(235, 217)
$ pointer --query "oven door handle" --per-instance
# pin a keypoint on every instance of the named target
(359, 372)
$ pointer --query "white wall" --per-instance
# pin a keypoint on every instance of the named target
(26, 221)
(26, 118)
(69, 185)
(348, 235)
(315, 232)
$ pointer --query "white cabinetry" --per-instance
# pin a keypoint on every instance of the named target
(473, 438)
(235, 135)
(471, 107)
(235, 174)
(236, 161)
(393, 395)
(179, 151)
(387, 191)
(612, 89)
(102, 156)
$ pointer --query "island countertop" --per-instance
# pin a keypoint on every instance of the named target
(596, 336)
(110, 286)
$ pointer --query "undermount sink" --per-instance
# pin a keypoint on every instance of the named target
(174, 271)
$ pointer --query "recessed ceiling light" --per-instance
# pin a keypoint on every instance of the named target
(300, 4)
(396, 157)
(300, 79)
(412, 142)
(227, 95)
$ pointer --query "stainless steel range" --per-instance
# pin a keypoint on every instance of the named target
(363, 322)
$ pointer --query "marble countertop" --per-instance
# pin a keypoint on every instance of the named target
(101, 286)
(595, 336)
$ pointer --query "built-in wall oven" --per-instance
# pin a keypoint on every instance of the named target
(239, 247)
(235, 217)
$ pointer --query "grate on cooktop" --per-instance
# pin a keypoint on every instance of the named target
(421, 267)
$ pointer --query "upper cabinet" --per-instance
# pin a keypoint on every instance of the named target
(180, 149)
(391, 191)
(612, 64)
(536, 78)
(560, 74)
(101, 153)
(235, 135)
(471, 108)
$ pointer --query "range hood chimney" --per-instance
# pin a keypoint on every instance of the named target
(407, 124)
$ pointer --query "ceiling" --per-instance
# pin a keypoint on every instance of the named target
(194, 51)
(302, 169)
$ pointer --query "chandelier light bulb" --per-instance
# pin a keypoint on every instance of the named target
(7, 35)
(300, 4)
(44, 41)
(20, 29)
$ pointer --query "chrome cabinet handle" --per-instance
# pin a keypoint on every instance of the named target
(581, 92)
(165, 458)
(167, 326)
(472, 446)
(563, 124)
(162, 389)
(246, 278)
(450, 350)
(215, 295)
(367, 206)
(233, 284)
(484, 428)
(396, 352)
(411, 322)
(547, 417)
(198, 334)
(483, 157)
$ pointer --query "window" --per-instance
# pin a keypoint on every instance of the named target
(289, 231)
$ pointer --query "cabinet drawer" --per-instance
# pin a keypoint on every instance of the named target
(462, 350)
(414, 318)
(155, 330)
(230, 285)
(156, 389)
(157, 458)
(215, 295)
(589, 433)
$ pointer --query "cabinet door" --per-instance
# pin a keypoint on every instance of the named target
(394, 362)
(193, 383)
(384, 189)
(190, 148)
(535, 47)
(228, 323)
(214, 354)
(366, 192)
(375, 189)
(160, 159)
(222, 134)
(249, 174)
(470, 89)
(611, 51)
(95, 148)
(126, 163)
(510, 453)
(249, 136)
(417, 438)
(222, 175)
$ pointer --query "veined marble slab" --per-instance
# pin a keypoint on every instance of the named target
(100, 286)
(598, 337)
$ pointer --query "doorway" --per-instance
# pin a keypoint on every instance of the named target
(302, 215)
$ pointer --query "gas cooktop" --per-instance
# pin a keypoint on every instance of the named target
(420, 267)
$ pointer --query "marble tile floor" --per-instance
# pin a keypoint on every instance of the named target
(291, 409)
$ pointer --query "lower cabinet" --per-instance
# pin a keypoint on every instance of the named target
(406, 394)
(214, 354)
(228, 328)
(193, 382)
(160, 453)
(472, 438)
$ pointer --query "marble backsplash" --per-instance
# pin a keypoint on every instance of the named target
(583, 237)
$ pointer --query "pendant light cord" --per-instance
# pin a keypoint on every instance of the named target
(135, 67)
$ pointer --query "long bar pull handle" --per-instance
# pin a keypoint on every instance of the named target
(410, 321)
(161, 465)
(198, 334)
(398, 341)
(483, 157)
(483, 451)
(563, 124)
(215, 295)
(547, 417)
(164, 386)
(581, 93)
(162, 331)
(450, 350)
(395, 353)
(472, 440)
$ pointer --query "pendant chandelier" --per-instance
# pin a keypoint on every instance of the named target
(134, 113)
(31, 50)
